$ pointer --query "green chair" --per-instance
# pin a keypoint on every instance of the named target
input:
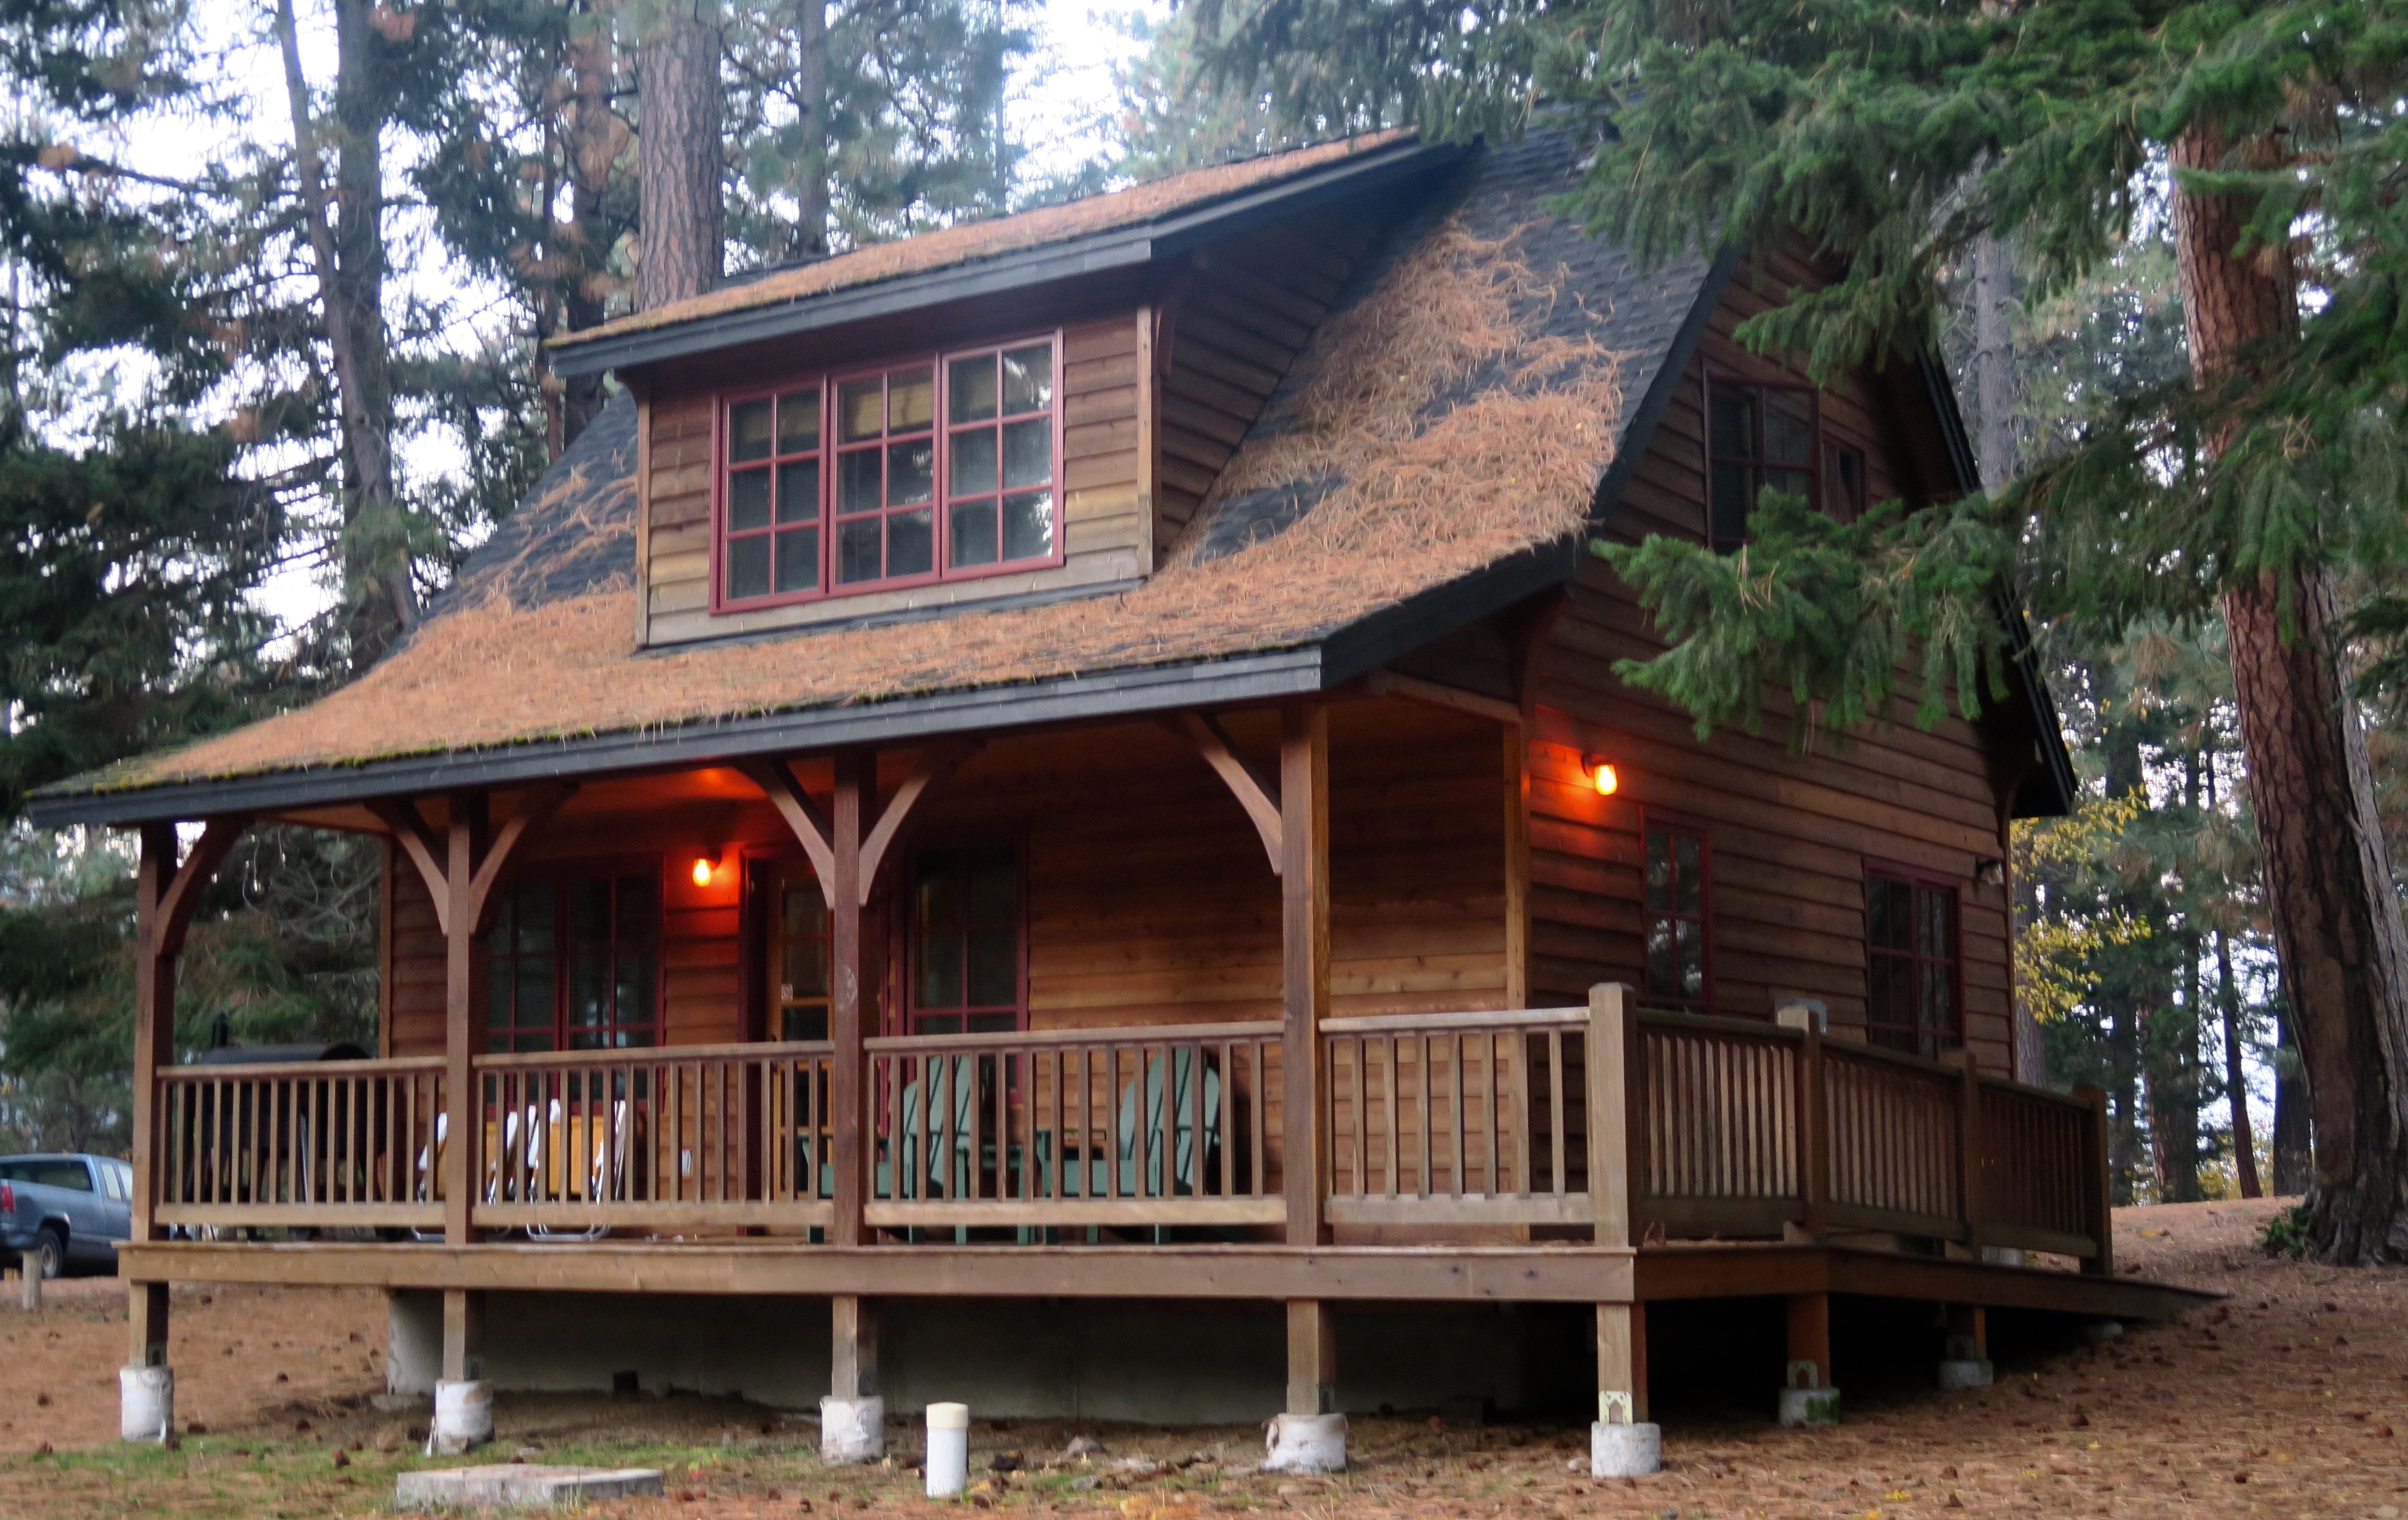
(1170, 1139)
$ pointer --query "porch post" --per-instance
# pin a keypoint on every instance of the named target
(1965, 1363)
(856, 774)
(146, 1397)
(463, 1164)
(164, 894)
(1304, 969)
(1622, 1441)
(464, 1410)
(1311, 1435)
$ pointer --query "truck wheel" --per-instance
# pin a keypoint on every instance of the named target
(52, 1252)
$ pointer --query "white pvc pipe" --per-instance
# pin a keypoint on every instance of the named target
(948, 1449)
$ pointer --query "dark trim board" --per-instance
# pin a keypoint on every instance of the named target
(1748, 1271)
(1394, 1274)
(1444, 1274)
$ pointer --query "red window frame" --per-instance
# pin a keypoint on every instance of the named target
(918, 1017)
(1723, 536)
(1673, 827)
(1919, 1032)
(832, 448)
(504, 963)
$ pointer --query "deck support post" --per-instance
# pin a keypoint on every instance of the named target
(165, 892)
(464, 1406)
(2097, 1168)
(1622, 1442)
(1311, 1435)
(1965, 1361)
(856, 781)
(852, 1417)
(1807, 1396)
(1304, 962)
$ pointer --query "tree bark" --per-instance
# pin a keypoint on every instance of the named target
(811, 100)
(2336, 926)
(350, 258)
(680, 242)
(2236, 1079)
(592, 137)
(1994, 360)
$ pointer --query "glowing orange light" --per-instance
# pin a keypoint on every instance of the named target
(702, 869)
(1602, 775)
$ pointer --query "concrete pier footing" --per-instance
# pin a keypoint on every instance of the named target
(146, 1403)
(852, 1430)
(1625, 1451)
(1306, 1444)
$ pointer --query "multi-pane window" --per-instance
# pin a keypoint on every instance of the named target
(1913, 987)
(1758, 439)
(575, 964)
(771, 544)
(999, 455)
(1678, 905)
(799, 955)
(886, 474)
(919, 470)
(966, 933)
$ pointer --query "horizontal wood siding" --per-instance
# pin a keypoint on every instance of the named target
(1149, 898)
(1107, 534)
(1791, 834)
(1236, 325)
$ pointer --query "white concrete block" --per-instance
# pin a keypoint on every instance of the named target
(1810, 1406)
(1625, 1451)
(852, 1430)
(463, 1416)
(513, 1485)
(1306, 1444)
(1964, 1372)
(146, 1403)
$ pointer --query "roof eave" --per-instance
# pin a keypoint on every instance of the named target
(1166, 237)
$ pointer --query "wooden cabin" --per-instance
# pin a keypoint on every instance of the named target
(1078, 756)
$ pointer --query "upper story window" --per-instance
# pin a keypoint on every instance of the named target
(1770, 437)
(1914, 962)
(922, 470)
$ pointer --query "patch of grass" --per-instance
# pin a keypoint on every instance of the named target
(2287, 1233)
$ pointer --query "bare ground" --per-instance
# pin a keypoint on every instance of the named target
(2286, 1399)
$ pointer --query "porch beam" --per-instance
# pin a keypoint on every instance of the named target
(1256, 794)
(1304, 962)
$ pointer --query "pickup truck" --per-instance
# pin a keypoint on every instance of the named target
(64, 1210)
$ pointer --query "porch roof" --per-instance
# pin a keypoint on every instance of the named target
(1432, 457)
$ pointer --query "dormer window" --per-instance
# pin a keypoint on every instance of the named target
(932, 468)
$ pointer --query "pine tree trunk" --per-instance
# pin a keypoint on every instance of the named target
(680, 244)
(2336, 926)
(812, 163)
(350, 257)
(1994, 360)
(2236, 1079)
(592, 141)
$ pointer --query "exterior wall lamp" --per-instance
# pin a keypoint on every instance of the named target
(705, 866)
(1602, 774)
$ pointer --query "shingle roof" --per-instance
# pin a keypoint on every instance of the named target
(972, 240)
(1519, 346)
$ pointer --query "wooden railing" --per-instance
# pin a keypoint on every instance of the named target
(689, 1135)
(319, 1144)
(1103, 1127)
(1718, 1127)
(1457, 1118)
(1739, 1130)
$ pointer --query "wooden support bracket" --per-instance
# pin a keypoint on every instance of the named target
(183, 891)
(934, 765)
(803, 819)
(430, 853)
(1257, 795)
